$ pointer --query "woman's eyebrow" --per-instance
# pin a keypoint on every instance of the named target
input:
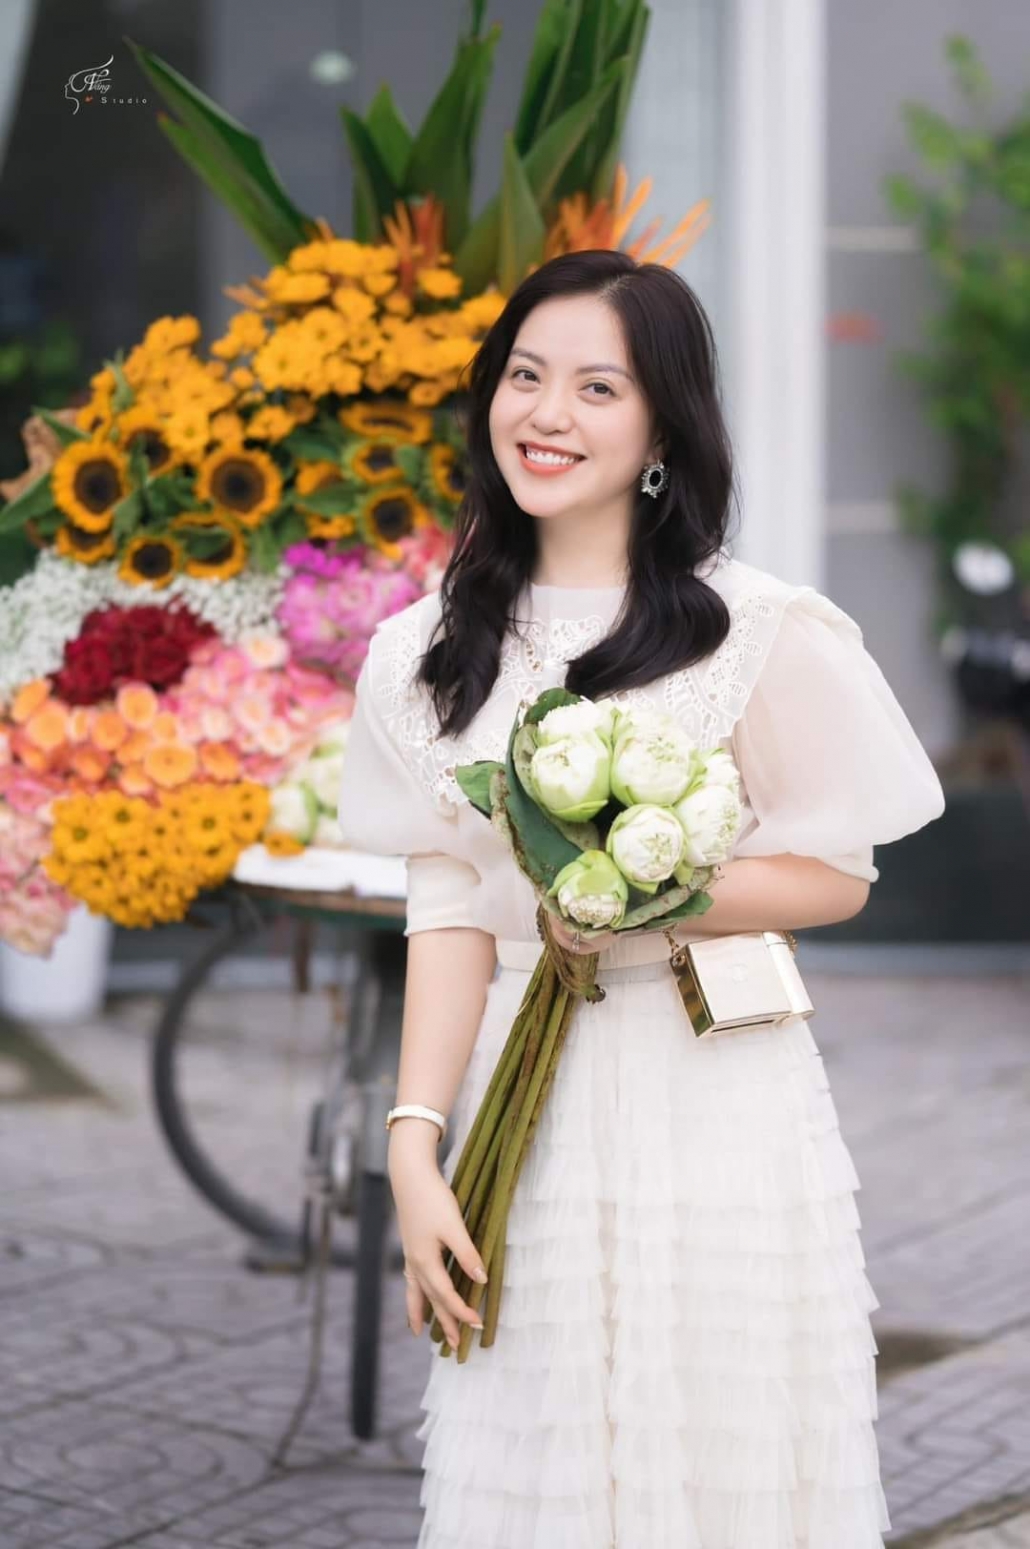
(540, 361)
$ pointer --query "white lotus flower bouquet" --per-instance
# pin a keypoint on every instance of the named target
(619, 821)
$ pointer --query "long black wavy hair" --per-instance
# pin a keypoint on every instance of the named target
(670, 618)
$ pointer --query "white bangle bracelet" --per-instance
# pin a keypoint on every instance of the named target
(417, 1111)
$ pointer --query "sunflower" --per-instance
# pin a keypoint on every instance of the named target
(88, 481)
(224, 561)
(242, 481)
(447, 471)
(387, 421)
(154, 560)
(376, 464)
(88, 548)
(389, 514)
(140, 426)
(319, 476)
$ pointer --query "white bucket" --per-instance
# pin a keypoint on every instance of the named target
(66, 986)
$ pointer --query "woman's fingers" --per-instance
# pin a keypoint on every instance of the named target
(418, 1306)
(437, 1289)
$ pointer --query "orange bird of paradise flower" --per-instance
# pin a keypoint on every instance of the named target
(580, 226)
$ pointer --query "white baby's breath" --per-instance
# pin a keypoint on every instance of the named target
(44, 610)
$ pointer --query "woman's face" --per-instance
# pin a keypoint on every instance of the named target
(568, 386)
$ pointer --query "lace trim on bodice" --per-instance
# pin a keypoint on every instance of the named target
(707, 698)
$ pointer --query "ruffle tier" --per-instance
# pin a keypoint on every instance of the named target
(684, 1357)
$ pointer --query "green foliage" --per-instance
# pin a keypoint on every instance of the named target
(228, 158)
(34, 501)
(568, 127)
(974, 374)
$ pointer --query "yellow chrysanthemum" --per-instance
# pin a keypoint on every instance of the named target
(398, 303)
(88, 480)
(378, 284)
(95, 417)
(243, 481)
(382, 375)
(283, 361)
(296, 289)
(364, 344)
(189, 432)
(324, 330)
(278, 842)
(271, 423)
(170, 333)
(75, 842)
(242, 377)
(356, 306)
(227, 426)
(329, 528)
(342, 377)
(199, 388)
(246, 332)
(441, 284)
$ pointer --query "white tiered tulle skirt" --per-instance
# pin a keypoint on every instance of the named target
(684, 1357)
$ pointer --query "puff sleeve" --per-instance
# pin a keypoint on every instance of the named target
(830, 763)
(383, 809)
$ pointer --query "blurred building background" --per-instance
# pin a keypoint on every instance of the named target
(786, 113)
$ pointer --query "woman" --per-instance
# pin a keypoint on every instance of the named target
(684, 1355)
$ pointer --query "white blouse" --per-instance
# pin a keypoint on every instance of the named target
(830, 765)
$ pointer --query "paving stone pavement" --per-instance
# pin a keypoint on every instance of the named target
(146, 1375)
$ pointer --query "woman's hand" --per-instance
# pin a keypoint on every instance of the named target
(430, 1220)
(564, 935)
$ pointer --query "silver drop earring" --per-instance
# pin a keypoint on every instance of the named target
(654, 479)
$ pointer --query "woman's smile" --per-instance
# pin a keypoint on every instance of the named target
(546, 464)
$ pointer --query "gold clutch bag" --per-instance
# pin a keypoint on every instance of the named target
(749, 979)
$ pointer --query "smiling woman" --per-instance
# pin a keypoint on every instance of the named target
(610, 363)
(682, 1353)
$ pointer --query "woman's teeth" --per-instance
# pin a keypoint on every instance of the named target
(548, 459)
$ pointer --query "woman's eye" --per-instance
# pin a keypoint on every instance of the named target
(607, 390)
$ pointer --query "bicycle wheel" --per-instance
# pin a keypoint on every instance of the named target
(236, 1074)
